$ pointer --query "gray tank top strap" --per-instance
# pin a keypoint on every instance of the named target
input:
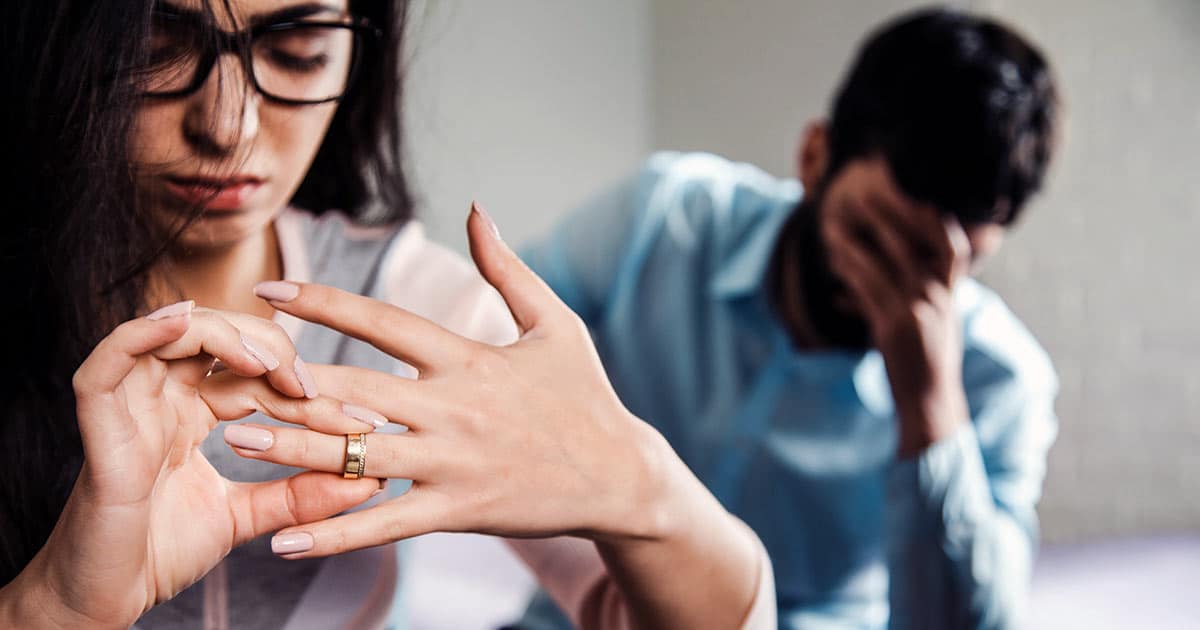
(350, 258)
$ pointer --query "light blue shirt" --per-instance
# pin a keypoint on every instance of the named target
(668, 271)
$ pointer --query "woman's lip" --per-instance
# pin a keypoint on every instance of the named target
(230, 194)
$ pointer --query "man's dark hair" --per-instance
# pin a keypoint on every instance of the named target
(962, 108)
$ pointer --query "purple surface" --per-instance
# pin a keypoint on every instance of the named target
(1132, 583)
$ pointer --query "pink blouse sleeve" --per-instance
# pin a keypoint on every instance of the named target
(574, 575)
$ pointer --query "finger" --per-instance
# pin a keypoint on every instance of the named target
(259, 508)
(960, 247)
(919, 222)
(915, 219)
(387, 456)
(894, 246)
(117, 354)
(293, 377)
(231, 397)
(414, 404)
(413, 514)
(530, 300)
(863, 273)
(212, 335)
(104, 422)
(397, 332)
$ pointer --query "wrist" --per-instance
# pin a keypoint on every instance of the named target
(929, 421)
(35, 599)
(652, 493)
(28, 601)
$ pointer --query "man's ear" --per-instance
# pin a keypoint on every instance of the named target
(812, 156)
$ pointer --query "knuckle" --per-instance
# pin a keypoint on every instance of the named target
(302, 448)
(484, 362)
(572, 327)
(79, 383)
(473, 420)
(394, 528)
(335, 540)
(389, 450)
(292, 504)
(319, 298)
(924, 313)
(274, 333)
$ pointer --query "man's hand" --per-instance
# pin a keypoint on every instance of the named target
(900, 260)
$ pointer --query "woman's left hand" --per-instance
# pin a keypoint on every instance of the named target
(527, 440)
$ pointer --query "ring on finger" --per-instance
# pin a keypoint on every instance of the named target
(355, 463)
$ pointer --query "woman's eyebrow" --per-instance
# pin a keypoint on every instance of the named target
(295, 12)
(286, 14)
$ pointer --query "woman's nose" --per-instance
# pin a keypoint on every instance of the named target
(222, 115)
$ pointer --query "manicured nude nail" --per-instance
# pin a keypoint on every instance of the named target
(246, 437)
(478, 209)
(305, 377)
(277, 291)
(362, 414)
(263, 355)
(172, 310)
(295, 542)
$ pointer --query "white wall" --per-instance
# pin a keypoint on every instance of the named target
(531, 105)
(524, 105)
(1101, 268)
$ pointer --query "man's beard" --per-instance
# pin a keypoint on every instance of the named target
(822, 293)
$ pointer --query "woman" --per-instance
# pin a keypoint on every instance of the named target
(150, 174)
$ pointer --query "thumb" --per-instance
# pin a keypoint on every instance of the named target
(531, 302)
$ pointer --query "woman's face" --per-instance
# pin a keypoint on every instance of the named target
(225, 147)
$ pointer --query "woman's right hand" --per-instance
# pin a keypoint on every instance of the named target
(149, 515)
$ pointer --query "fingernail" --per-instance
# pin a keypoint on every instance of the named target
(295, 542)
(381, 488)
(362, 414)
(263, 355)
(277, 291)
(305, 377)
(172, 310)
(483, 214)
(251, 438)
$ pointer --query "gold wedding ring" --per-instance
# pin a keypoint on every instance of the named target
(356, 456)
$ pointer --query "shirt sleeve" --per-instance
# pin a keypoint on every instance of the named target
(574, 575)
(961, 522)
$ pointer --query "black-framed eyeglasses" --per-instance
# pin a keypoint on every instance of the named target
(293, 63)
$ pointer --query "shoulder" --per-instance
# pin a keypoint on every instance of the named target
(999, 351)
(702, 189)
(704, 210)
(432, 281)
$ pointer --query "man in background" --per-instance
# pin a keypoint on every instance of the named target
(816, 350)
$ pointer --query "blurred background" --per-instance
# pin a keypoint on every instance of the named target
(531, 106)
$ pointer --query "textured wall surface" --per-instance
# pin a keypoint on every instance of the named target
(525, 105)
(1101, 269)
(531, 105)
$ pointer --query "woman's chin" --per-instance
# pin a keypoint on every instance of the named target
(218, 230)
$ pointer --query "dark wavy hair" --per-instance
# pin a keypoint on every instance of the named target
(76, 248)
(962, 108)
